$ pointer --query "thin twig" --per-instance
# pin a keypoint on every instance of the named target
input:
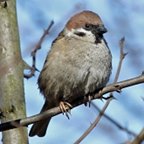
(34, 51)
(122, 56)
(55, 111)
(93, 125)
(113, 121)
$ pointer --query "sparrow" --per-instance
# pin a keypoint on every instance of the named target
(78, 64)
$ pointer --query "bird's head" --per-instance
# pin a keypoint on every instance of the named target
(86, 26)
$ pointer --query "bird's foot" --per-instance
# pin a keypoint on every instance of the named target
(89, 99)
(65, 108)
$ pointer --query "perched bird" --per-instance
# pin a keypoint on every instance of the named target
(78, 64)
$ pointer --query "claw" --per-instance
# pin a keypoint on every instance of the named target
(89, 98)
(65, 108)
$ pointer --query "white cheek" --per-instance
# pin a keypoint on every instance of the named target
(88, 35)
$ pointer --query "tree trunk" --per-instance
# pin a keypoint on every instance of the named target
(12, 102)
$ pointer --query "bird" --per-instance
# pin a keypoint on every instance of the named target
(78, 64)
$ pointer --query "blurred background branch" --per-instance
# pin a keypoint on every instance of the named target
(139, 138)
(34, 51)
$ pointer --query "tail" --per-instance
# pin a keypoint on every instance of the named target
(39, 128)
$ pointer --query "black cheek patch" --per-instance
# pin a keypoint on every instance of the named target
(81, 34)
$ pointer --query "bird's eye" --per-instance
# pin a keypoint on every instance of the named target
(87, 26)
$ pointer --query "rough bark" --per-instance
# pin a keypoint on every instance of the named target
(12, 102)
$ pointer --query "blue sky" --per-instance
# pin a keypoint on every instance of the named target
(122, 18)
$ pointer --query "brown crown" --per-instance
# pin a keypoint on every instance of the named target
(86, 17)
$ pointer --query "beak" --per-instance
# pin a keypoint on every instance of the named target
(101, 29)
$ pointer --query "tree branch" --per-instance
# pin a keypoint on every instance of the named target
(55, 111)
